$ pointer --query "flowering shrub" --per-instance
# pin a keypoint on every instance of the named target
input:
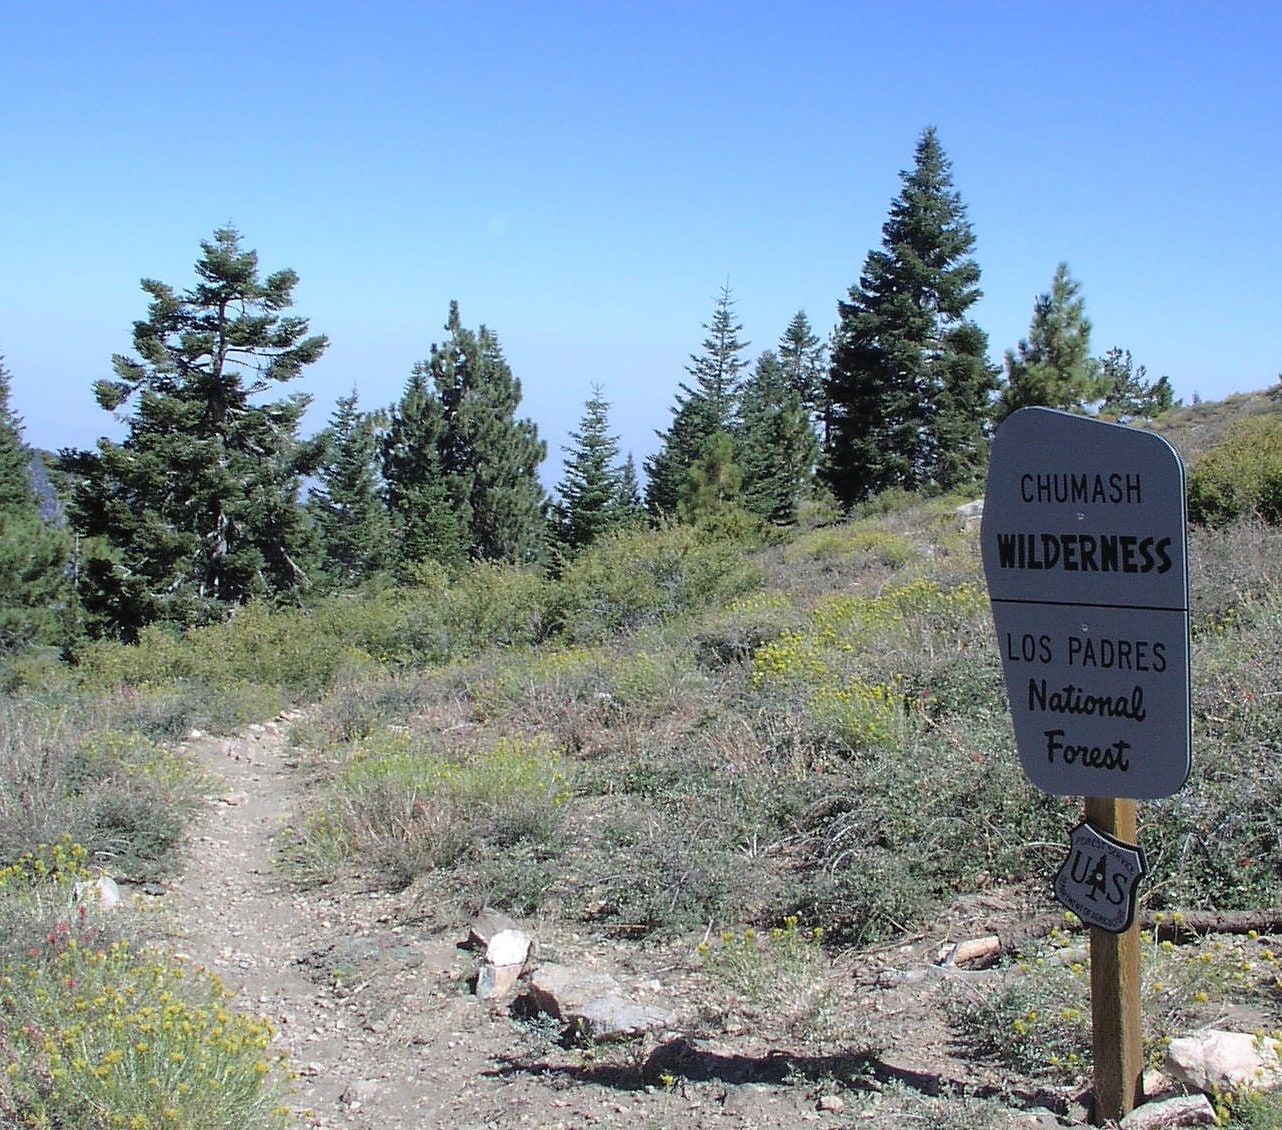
(109, 1037)
(828, 661)
(96, 1034)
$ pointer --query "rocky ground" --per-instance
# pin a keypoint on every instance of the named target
(372, 993)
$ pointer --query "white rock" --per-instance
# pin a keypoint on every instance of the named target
(1184, 1110)
(496, 981)
(508, 947)
(1213, 1060)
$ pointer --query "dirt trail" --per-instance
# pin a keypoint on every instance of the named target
(375, 1022)
(369, 994)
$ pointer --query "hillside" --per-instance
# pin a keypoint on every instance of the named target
(765, 780)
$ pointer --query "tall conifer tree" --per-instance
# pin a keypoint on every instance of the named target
(592, 499)
(197, 510)
(804, 359)
(909, 385)
(703, 410)
(346, 506)
(425, 519)
(778, 448)
(489, 457)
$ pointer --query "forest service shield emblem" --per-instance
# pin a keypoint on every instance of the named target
(1098, 880)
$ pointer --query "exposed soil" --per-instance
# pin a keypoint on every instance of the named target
(370, 992)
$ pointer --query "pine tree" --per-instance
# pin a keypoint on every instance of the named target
(347, 508)
(592, 499)
(33, 554)
(708, 407)
(909, 385)
(426, 522)
(490, 459)
(803, 356)
(198, 510)
(630, 492)
(712, 483)
(1127, 391)
(1053, 368)
(778, 448)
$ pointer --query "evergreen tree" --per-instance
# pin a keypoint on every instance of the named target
(33, 554)
(778, 448)
(708, 407)
(630, 492)
(803, 357)
(346, 507)
(909, 385)
(15, 458)
(592, 499)
(1053, 368)
(489, 458)
(426, 522)
(712, 483)
(198, 509)
(1127, 391)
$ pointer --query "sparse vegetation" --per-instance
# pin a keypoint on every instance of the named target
(681, 733)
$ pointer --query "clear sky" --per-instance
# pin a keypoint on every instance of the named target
(585, 177)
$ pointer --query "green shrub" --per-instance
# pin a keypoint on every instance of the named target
(863, 544)
(1241, 476)
(633, 578)
(495, 605)
(1214, 842)
(100, 1038)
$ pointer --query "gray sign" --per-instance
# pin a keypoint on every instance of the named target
(1083, 541)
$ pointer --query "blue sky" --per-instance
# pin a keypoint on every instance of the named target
(584, 178)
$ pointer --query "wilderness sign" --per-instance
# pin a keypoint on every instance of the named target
(1083, 541)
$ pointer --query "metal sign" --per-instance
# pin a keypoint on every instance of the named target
(1098, 880)
(1083, 542)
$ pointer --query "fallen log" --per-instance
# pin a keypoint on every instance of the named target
(1180, 927)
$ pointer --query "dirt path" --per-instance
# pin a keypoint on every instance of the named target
(375, 1019)
(369, 993)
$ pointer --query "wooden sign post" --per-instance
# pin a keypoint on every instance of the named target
(1116, 1046)
(1083, 540)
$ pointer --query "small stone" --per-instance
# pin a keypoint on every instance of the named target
(509, 947)
(495, 981)
(612, 1017)
(833, 1104)
(1183, 1110)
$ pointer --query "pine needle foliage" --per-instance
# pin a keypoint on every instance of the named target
(196, 511)
(909, 386)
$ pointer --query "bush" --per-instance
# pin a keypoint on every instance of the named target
(95, 1033)
(99, 1038)
(632, 578)
(1241, 476)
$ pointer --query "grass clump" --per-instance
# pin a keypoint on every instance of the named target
(409, 807)
(781, 971)
(126, 798)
